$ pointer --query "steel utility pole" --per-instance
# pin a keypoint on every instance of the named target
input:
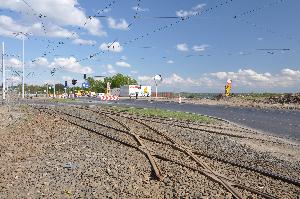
(47, 90)
(3, 73)
(23, 78)
(156, 90)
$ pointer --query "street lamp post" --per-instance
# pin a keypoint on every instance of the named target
(47, 95)
(3, 73)
(157, 79)
(23, 78)
(23, 64)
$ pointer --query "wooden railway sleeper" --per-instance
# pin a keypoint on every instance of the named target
(211, 174)
(142, 148)
(203, 171)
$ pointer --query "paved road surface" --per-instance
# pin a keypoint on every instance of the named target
(283, 123)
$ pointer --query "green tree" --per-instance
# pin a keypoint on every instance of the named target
(119, 80)
(116, 81)
(59, 88)
(97, 86)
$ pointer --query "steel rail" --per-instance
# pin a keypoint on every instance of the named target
(267, 173)
(142, 148)
(207, 172)
(202, 129)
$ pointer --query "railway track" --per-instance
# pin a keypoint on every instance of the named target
(218, 158)
(252, 167)
(186, 125)
(229, 184)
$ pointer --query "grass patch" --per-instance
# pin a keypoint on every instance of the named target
(61, 100)
(166, 114)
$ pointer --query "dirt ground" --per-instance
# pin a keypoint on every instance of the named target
(235, 102)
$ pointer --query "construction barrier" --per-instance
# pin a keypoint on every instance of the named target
(109, 97)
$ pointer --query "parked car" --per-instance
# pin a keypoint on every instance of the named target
(100, 94)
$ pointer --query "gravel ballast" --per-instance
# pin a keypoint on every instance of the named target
(45, 157)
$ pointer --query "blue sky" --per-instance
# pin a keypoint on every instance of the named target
(198, 54)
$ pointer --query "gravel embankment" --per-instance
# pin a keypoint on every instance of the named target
(45, 157)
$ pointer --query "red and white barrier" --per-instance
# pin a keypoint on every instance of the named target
(109, 97)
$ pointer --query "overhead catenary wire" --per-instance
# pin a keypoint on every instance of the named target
(240, 17)
(39, 15)
(257, 9)
(99, 12)
(161, 28)
(142, 36)
(135, 16)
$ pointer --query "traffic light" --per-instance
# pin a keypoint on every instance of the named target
(74, 81)
(84, 76)
(66, 83)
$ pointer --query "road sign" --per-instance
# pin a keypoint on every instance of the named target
(85, 85)
(74, 81)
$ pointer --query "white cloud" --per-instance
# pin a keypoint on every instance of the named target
(121, 25)
(41, 61)
(170, 62)
(200, 48)
(219, 75)
(106, 10)
(52, 31)
(123, 58)
(145, 78)
(182, 47)
(94, 27)
(115, 47)
(199, 6)
(110, 70)
(84, 42)
(248, 77)
(67, 78)
(290, 72)
(14, 79)
(57, 12)
(70, 64)
(133, 72)
(8, 26)
(123, 64)
(13, 62)
(243, 80)
(193, 11)
(174, 79)
(140, 9)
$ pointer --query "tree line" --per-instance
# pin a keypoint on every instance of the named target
(98, 86)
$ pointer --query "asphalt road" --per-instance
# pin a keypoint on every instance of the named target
(282, 123)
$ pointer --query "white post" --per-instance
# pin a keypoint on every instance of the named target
(155, 90)
(47, 90)
(54, 95)
(179, 98)
(23, 78)
(3, 73)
